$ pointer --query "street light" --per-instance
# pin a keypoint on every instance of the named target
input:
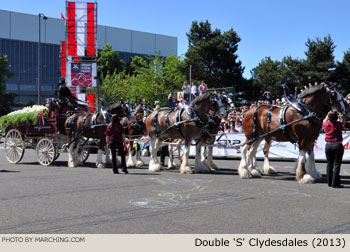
(45, 18)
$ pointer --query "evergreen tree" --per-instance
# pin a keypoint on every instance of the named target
(342, 73)
(213, 56)
(320, 60)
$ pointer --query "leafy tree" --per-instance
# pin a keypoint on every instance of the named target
(136, 64)
(268, 76)
(108, 61)
(5, 99)
(213, 55)
(151, 77)
(172, 76)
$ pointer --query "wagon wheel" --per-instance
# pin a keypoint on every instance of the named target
(45, 151)
(14, 146)
(83, 154)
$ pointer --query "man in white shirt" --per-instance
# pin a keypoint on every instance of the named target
(186, 88)
(181, 103)
(193, 91)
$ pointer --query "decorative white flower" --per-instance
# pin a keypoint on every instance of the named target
(34, 108)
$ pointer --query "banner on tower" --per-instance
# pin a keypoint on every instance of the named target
(81, 74)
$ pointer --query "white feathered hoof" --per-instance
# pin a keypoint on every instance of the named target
(100, 165)
(171, 165)
(185, 170)
(139, 163)
(255, 173)
(71, 164)
(307, 179)
(130, 163)
(269, 170)
(154, 167)
(243, 173)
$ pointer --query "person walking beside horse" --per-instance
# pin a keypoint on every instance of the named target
(116, 138)
(334, 148)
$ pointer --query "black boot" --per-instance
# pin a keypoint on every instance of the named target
(125, 171)
(115, 171)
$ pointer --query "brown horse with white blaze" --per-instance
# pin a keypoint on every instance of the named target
(298, 121)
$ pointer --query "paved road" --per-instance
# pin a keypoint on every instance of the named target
(57, 199)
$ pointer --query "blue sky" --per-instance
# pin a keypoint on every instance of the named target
(275, 28)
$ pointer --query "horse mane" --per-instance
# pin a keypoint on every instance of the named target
(310, 90)
(200, 98)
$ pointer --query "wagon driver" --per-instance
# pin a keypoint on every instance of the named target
(65, 95)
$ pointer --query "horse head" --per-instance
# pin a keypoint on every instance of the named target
(219, 104)
(322, 98)
(202, 104)
(140, 113)
(119, 109)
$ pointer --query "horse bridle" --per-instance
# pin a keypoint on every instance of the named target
(340, 99)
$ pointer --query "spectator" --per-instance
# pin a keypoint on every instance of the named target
(278, 102)
(232, 128)
(238, 125)
(171, 100)
(267, 97)
(186, 88)
(181, 103)
(202, 88)
(226, 129)
(334, 148)
(157, 106)
(193, 91)
(348, 98)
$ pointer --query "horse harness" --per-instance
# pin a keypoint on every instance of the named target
(299, 106)
(178, 121)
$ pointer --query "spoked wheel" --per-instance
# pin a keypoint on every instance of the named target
(83, 154)
(46, 152)
(14, 146)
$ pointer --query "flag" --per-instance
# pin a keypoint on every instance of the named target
(63, 17)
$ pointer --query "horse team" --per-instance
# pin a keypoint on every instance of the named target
(299, 121)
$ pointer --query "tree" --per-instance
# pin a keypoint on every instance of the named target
(268, 76)
(342, 73)
(320, 60)
(108, 61)
(5, 99)
(212, 55)
(152, 77)
(317, 67)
